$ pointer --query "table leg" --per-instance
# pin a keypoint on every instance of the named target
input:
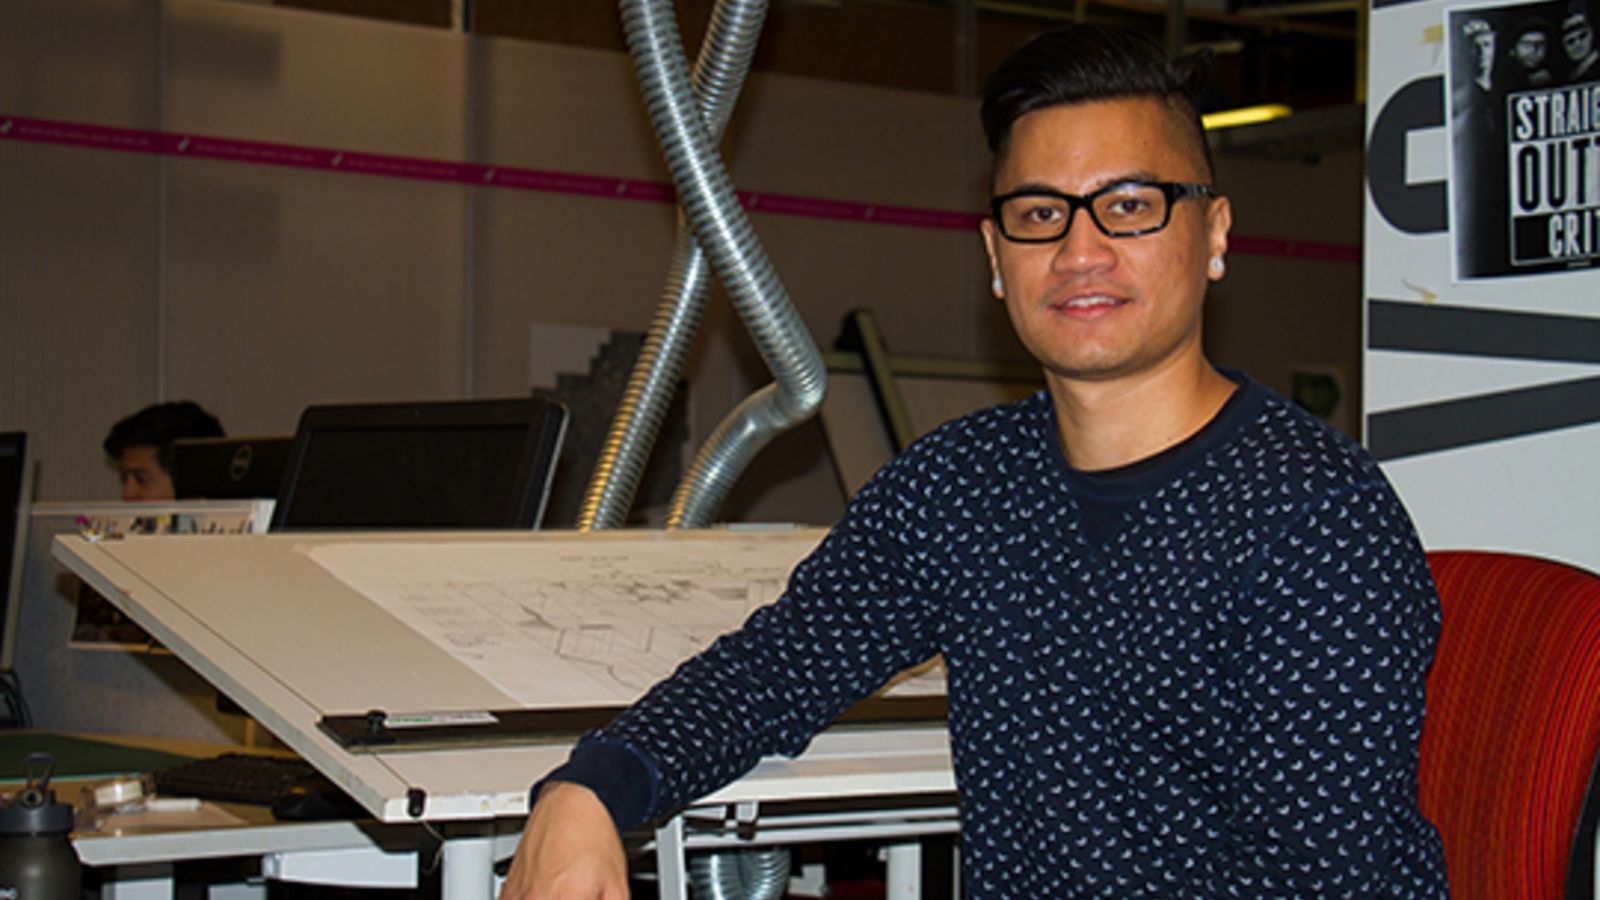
(904, 876)
(148, 882)
(672, 867)
(468, 872)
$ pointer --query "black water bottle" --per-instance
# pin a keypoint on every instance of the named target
(37, 861)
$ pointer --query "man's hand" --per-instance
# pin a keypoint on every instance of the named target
(569, 850)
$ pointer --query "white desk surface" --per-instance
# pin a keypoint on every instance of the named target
(290, 643)
(214, 830)
(173, 841)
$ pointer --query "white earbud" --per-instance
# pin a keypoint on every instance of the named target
(998, 285)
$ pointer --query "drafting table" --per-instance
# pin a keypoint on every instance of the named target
(285, 633)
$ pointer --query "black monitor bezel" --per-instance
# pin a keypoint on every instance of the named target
(15, 443)
(186, 450)
(543, 422)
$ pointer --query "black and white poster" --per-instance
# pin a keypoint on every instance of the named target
(1480, 389)
(1524, 88)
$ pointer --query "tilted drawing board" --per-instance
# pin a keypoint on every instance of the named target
(299, 629)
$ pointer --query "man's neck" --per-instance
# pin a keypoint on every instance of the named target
(1113, 423)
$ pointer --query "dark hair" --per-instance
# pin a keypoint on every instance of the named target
(158, 426)
(1086, 63)
(1531, 25)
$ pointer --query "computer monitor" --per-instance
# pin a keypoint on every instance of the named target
(16, 493)
(433, 465)
(228, 468)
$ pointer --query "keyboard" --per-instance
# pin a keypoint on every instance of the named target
(235, 778)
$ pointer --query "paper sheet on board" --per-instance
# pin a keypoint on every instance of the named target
(575, 623)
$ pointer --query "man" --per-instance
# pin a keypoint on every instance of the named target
(1577, 38)
(1481, 35)
(1529, 49)
(1185, 625)
(1479, 186)
(140, 446)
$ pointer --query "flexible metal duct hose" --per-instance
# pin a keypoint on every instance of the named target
(718, 75)
(724, 232)
(757, 874)
(688, 117)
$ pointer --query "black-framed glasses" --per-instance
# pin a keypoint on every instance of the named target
(1122, 210)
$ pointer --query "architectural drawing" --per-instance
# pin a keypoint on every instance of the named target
(588, 620)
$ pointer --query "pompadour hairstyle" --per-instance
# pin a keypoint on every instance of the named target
(1087, 63)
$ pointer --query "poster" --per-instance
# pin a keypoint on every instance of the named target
(1480, 389)
(1524, 85)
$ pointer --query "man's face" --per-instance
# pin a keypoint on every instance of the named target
(1529, 49)
(1578, 41)
(142, 475)
(1483, 42)
(1091, 307)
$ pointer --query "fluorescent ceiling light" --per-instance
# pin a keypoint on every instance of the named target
(1244, 115)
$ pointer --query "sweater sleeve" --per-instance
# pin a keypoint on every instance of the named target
(854, 614)
(1337, 628)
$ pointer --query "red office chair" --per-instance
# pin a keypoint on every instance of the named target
(1512, 732)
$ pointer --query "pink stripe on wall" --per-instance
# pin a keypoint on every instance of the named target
(129, 140)
(1313, 250)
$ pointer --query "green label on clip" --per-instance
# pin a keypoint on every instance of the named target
(438, 719)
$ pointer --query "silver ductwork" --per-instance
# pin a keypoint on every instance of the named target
(688, 115)
(758, 874)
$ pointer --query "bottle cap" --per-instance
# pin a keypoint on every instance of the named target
(34, 810)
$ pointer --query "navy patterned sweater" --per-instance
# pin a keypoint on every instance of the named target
(1200, 675)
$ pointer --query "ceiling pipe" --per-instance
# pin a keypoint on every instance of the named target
(966, 48)
(1176, 29)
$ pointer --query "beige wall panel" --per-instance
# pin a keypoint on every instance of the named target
(1272, 315)
(81, 60)
(919, 283)
(286, 288)
(857, 143)
(79, 321)
(253, 72)
(561, 259)
(1313, 201)
(78, 235)
(565, 109)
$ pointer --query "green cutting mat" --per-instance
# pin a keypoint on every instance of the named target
(77, 757)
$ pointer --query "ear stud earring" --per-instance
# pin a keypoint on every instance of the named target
(998, 285)
(1217, 266)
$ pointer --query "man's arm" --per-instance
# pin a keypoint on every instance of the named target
(855, 613)
(1337, 631)
(569, 850)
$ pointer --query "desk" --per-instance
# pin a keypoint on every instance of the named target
(256, 616)
(139, 863)
(138, 850)
(769, 807)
